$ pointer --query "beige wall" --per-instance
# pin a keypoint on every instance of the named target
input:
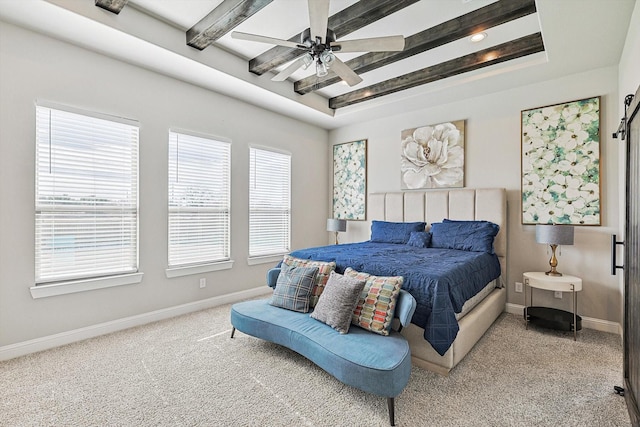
(492, 151)
(34, 67)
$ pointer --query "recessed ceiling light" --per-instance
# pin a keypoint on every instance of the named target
(478, 37)
(490, 56)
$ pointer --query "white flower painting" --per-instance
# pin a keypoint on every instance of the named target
(561, 164)
(433, 156)
(350, 180)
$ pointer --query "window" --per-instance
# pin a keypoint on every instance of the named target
(86, 196)
(269, 202)
(199, 200)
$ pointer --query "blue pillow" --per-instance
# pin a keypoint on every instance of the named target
(419, 239)
(474, 236)
(394, 232)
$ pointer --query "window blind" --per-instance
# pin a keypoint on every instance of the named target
(86, 196)
(269, 202)
(199, 200)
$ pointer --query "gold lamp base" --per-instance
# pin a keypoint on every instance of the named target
(553, 262)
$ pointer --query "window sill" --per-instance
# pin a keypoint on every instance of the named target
(265, 259)
(198, 269)
(62, 288)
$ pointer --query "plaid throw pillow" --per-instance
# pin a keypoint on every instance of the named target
(324, 269)
(293, 288)
(377, 303)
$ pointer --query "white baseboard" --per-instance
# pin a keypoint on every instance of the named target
(44, 343)
(587, 322)
(26, 347)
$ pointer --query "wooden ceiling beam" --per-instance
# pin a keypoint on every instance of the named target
(342, 23)
(114, 6)
(225, 17)
(504, 52)
(463, 26)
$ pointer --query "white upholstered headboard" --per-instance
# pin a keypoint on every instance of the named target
(431, 206)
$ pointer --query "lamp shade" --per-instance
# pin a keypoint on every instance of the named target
(553, 234)
(336, 225)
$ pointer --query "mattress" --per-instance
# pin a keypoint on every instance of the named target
(475, 300)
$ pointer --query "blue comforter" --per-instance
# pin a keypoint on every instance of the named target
(440, 280)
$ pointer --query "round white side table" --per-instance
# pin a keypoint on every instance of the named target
(551, 317)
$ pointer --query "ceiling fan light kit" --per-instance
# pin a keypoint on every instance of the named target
(320, 45)
(307, 59)
(322, 69)
(319, 52)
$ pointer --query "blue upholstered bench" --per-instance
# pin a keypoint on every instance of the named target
(370, 362)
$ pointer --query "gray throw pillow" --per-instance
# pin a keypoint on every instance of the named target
(293, 288)
(337, 301)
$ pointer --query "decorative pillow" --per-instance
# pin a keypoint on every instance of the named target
(335, 305)
(419, 239)
(474, 236)
(394, 232)
(293, 288)
(324, 269)
(377, 303)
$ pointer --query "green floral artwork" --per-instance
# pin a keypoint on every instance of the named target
(350, 180)
(561, 164)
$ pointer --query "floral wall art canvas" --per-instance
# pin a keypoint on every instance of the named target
(350, 180)
(433, 156)
(561, 163)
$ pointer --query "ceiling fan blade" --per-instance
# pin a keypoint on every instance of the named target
(263, 39)
(374, 44)
(318, 18)
(284, 74)
(344, 72)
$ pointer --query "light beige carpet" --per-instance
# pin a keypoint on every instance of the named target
(188, 372)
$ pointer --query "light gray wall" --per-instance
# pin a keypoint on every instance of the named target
(628, 83)
(34, 67)
(629, 75)
(492, 159)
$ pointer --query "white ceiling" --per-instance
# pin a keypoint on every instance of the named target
(578, 35)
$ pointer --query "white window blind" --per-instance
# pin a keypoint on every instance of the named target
(86, 196)
(199, 200)
(269, 202)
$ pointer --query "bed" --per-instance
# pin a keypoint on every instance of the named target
(453, 317)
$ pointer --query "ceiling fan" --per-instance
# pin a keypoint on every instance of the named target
(320, 45)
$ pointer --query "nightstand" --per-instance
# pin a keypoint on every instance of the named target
(551, 317)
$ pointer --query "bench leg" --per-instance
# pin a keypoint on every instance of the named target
(391, 411)
(233, 331)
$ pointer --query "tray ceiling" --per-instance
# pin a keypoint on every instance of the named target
(526, 41)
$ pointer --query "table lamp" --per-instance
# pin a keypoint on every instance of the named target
(337, 226)
(554, 235)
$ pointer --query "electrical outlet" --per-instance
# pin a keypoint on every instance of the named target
(203, 282)
(518, 286)
(557, 294)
